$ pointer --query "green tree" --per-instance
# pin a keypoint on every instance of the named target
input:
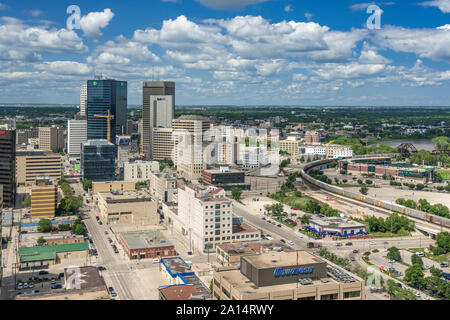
(40, 241)
(394, 254)
(364, 190)
(305, 219)
(87, 184)
(26, 201)
(236, 193)
(45, 225)
(424, 205)
(392, 287)
(416, 260)
(80, 230)
(414, 275)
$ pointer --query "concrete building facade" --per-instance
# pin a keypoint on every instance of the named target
(76, 135)
(44, 198)
(130, 207)
(33, 164)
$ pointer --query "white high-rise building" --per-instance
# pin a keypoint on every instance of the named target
(139, 170)
(76, 134)
(207, 215)
(83, 99)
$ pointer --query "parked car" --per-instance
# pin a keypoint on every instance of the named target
(349, 244)
(189, 253)
(355, 251)
(282, 240)
(53, 281)
(352, 259)
(372, 242)
(101, 268)
(106, 232)
(19, 287)
(420, 254)
(155, 260)
(25, 285)
(264, 218)
(290, 242)
(444, 265)
(56, 286)
(279, 225)
(112, 292)
(268, 237)
(43, 272)
(386, 242)
(31, 285)
(426, 267)
(32, 278)
(338, 244)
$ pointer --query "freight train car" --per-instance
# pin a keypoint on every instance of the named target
(441, 221)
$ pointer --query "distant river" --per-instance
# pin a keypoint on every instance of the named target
(427, 145)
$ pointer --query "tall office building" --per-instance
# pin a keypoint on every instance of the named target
(51, 138)
(98, 160)
(76, 135)
(188, 132)
(33, 164)
(83, 98)
(8, 165)
(158, 110)
(44, 197)
(103, 96)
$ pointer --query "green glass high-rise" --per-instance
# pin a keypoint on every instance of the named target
(105, 95)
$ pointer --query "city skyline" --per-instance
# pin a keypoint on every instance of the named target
(250, 52)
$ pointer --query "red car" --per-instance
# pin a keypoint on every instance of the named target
(100, 223)
(294, 208)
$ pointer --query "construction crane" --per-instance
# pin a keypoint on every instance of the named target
(108, 117)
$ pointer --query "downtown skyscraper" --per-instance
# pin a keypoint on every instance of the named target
(158, 111)
(105, 95)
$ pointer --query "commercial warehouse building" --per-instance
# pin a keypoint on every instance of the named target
(146, 245)
(39, 256)
(130, 207)
(286, 276)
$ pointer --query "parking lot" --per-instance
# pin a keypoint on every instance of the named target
(37, 282)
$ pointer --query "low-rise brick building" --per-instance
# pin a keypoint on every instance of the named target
(146, 245)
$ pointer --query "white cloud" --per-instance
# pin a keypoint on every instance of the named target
(426, 43)
(94, 21)
(443, 5)
(65, 68)
(22, 42)
(369, 55)
(288, 8)
(35, 13)
(228, 4)
(333, 71)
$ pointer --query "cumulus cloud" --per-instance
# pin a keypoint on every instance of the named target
(426, 43)
(443, 5)
(94, 21)
(23, 42)
(65, 68)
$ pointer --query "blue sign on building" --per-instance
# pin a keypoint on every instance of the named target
(294, 271)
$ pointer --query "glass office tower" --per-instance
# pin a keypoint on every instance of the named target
(98, 160)
(104, 95)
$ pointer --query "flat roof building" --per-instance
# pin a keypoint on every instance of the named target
(109, 186)
(146, 245)
(129, 207)
(44, 197)
(33, 164)
(337, 225)
(225, 178)
(98, 159)
(296, 275)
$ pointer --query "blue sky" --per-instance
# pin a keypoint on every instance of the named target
(237, 52)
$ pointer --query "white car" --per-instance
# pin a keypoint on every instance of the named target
(391, 261)
(290, 242)
(269, 238)
(156, 260)
(372, 242)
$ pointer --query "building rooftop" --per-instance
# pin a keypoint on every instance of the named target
(37, 253)
(147, 239)
(124, 196)
(176, 266)
(37, 153)
(254, 247)
(89, 278)
(243, 228)
(281, 259)
(192, 117)
(218, 170)
(337, 222)
(97, 142)
(179, 292)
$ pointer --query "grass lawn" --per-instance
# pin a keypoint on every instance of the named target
(388, 234)
(442, 258)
